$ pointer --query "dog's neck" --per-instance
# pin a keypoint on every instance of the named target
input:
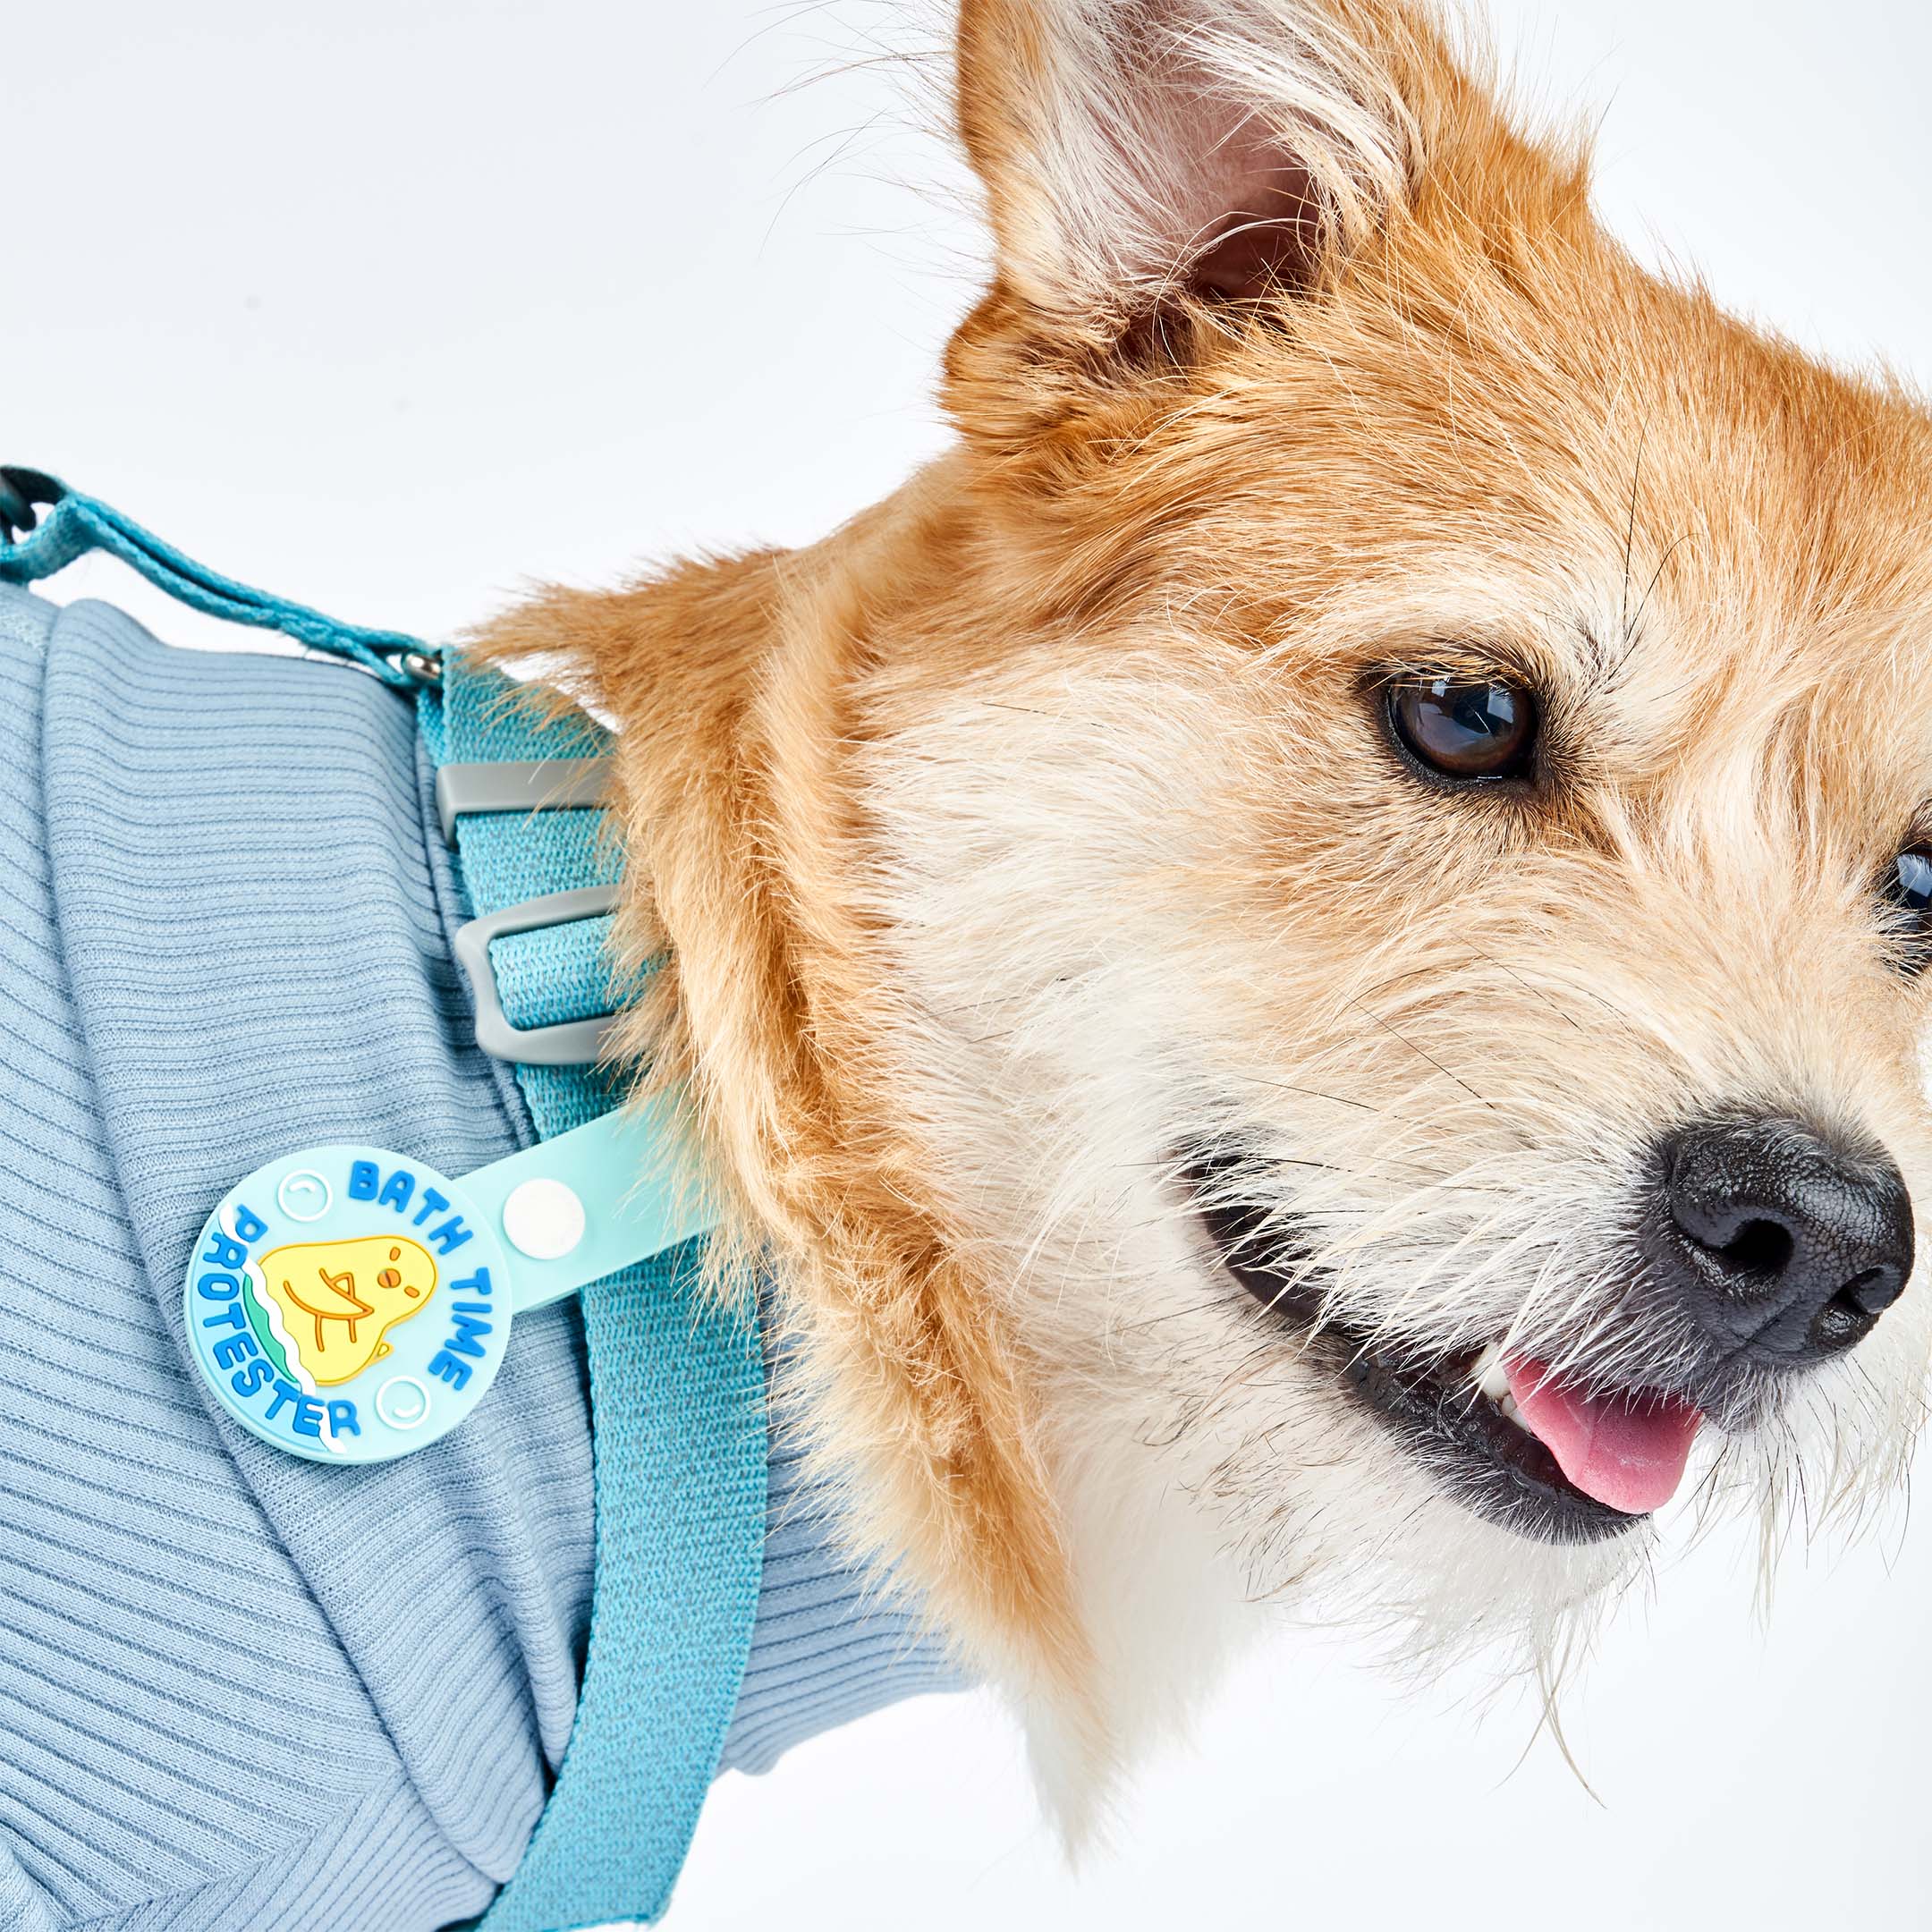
(748, 694)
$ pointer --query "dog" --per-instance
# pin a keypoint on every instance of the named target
(1299, 972)
(1306, 954)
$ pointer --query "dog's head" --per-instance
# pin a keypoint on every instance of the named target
(1405, 839)
(1312, 948)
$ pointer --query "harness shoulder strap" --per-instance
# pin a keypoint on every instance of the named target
(677, 1385)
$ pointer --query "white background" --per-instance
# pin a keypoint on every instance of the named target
(393, 305)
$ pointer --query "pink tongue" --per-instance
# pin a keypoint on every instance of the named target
(1628, 1452)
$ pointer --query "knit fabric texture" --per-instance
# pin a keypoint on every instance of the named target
(237, 1689)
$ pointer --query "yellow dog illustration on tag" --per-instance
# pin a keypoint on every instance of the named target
(328, 1305)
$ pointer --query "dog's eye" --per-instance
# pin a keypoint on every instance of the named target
(1909, 888)
(1474, 731)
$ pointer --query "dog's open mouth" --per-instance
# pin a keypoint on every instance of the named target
(1500, 1432)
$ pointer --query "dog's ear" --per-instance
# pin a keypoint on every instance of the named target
(1148, 161)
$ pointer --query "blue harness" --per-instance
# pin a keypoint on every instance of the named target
(677, 1385)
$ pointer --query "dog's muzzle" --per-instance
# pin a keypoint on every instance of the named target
(1759, 1249)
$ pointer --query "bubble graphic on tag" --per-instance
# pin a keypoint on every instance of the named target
(348, 1304)
(304, 1196)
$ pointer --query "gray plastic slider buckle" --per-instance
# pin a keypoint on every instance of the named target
(528, 785)
(519, 786)
(568, 1043)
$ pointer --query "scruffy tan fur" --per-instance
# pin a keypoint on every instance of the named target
(1037, 823)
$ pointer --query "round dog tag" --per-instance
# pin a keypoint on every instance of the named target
(348, 1304)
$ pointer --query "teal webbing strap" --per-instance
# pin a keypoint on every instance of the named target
(558, 973)
(677, 1385)
(677, 1388)
(45, 526)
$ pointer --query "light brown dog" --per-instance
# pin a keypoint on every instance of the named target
(1306, 953)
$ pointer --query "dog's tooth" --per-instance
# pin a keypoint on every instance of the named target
(1488, 1376)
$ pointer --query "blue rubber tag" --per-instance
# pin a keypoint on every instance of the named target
(350, 1305)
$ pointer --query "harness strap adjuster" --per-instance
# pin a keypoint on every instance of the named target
(526, 785)
(568, 1042)
(519, 786)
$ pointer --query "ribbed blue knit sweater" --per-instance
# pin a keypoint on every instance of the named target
(239, 1691)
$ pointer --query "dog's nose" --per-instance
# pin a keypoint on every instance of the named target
(1781, 1246)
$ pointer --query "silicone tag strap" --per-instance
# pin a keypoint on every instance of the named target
(593, 1201)
(45, 526)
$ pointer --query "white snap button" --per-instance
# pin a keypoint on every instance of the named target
(544, 1219)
